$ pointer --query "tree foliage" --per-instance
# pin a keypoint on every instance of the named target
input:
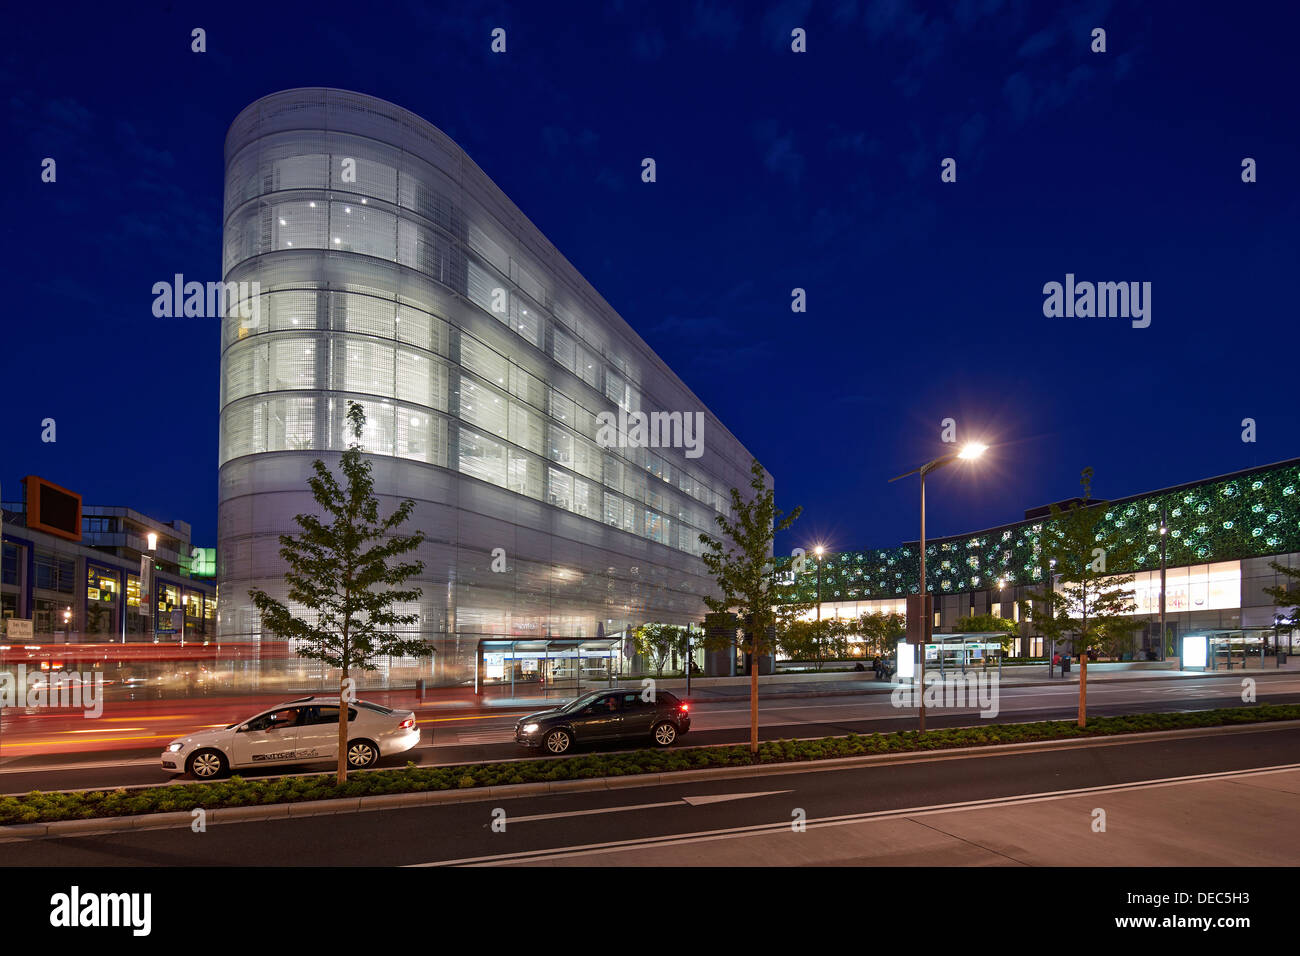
(1286, 596)
(1084, 607)
(658, 642)
(346, 576)
(882, 631)
(740, 561)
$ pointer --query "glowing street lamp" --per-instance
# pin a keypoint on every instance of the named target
(819, 551)
(968, 452)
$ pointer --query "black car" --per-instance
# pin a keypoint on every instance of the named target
(607, 715)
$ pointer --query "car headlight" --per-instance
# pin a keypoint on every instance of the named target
(530, 728)
(175, 747)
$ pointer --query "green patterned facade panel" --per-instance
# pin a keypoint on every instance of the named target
(1248, 514)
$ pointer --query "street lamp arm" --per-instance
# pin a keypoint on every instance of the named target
(927, 467)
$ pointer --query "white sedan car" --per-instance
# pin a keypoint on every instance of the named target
(301, 731)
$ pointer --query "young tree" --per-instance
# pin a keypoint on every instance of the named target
(1286, 596)
(794, 636)
(657, 643)
(833, 640)
(741, 564)
(883, 631)
(1089, 608)
(346, 570)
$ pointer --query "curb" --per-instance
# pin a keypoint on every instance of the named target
(22, 832)
(1072, 681)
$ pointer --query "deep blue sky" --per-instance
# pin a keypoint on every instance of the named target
(776, 170)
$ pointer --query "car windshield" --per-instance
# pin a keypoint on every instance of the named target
(247, 720)
(580, 703)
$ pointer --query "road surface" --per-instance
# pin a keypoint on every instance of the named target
(454, 737)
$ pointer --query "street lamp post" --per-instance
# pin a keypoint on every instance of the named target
(1002, 593)
(1051, 585)
(969, 452)
(149, 602)
(819, 551)
(1164, 529)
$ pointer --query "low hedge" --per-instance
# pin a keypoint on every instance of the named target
(38, 807)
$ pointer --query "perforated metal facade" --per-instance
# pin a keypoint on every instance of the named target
(1250, 514)
(393, 272)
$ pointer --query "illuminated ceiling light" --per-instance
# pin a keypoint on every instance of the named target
(312, 204)
(283, 223)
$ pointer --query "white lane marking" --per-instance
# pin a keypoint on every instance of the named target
(703, 836)
(484, 737)
(693, 801)
(98, 765)
(699, 801)
(585, 813)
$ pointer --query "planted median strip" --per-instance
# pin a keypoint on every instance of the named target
(37, 807)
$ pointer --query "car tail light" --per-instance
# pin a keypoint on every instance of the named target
(685, 707)
(407, 724)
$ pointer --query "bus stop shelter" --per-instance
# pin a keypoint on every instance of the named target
(1214, 649)
(549, 665)
(967, 649)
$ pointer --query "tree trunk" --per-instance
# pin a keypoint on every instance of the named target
(342, 776)
(1083, 689)
(753, 702)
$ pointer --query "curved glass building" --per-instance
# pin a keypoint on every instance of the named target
(390, 270)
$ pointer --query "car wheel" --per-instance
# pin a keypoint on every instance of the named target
(558, 741)
(665, 733)
(362, 754)
(207, 764)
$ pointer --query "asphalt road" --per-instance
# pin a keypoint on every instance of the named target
(686, 823)
(456, 739)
